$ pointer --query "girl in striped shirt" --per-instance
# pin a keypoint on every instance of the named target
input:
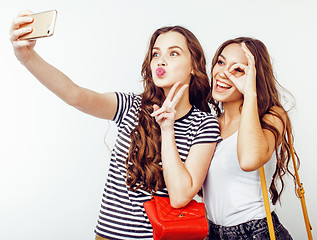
(166, 135)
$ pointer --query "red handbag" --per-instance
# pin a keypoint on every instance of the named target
(186, 223)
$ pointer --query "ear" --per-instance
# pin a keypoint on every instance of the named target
(192, 72)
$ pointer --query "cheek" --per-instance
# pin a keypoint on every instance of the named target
(184, 68)
(153, 66)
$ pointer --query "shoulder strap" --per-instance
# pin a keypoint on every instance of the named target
(300, 189)
(266, 203)
(300, 192)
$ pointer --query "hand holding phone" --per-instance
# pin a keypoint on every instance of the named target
(42, 26)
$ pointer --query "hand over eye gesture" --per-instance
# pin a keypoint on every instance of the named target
(165, 115)
(244, 76)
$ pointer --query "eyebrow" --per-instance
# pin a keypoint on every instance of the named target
(171, 47)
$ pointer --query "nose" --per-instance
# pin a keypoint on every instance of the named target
(162, 62)
(222, 74)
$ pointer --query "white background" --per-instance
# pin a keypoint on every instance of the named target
(53, 160)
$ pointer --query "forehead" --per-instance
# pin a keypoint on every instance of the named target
(169, 39)
(234, 52)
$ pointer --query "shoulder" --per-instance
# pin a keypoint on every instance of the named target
(206, 127)
(128, 97)
(203, 116)
(276, 116)
(278, 119)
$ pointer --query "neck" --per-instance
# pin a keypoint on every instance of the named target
(232, 112)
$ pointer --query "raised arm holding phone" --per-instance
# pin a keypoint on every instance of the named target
(166, 135)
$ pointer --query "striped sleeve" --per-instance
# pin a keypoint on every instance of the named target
(124, 103)
(208, 131)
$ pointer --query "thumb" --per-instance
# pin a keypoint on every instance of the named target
(155, 107)
(230, 76)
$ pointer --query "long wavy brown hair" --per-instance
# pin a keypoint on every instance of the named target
(143, 163)
(268, 98)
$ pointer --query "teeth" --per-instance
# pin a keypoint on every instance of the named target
(221, 84)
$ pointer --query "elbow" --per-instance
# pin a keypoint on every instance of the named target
(74, 98)
(246, 167)
(247, 163)
(252, 162)
(178, 202)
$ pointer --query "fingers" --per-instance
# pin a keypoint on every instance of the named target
(231, 76)
(16, 34)
(178, 96)
(23, 43)
(248, 54)
(155, 107)
(157, 110)
(15, 30)
(161, 117)
(169, 104)
(20, 20)
(172, 91)
(162, 113)
(24, 12)
(238, 67)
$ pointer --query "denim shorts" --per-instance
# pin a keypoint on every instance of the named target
(254, 229)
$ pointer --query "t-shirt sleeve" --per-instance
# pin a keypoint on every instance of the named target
(124, 103)
(208, 131)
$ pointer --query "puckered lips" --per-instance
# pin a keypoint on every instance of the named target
(160, 72)
(222, 86)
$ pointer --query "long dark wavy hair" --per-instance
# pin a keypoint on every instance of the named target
(143, 163)
(268, 98)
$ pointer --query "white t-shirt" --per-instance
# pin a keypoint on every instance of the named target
(231, 195)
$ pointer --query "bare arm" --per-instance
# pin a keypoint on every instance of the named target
(90, 102)
(255, 145)
(183, 180)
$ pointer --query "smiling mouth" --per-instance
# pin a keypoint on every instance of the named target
(223, 85)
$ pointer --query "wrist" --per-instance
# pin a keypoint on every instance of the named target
(167, 133)
(29, 59)
(250, 95)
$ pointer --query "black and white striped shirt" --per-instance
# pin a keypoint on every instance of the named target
(122, 215)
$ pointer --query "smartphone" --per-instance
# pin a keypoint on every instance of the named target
(43, 25)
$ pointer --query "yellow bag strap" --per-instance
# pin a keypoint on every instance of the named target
(266, 203)
(300, 192)
(300, 189)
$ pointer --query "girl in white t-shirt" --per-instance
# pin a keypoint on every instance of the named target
(252, 124)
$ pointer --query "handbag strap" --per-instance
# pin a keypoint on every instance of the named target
(266, 203)
(300, 192)
(300, 189)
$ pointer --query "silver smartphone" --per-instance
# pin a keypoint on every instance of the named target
(43, 25)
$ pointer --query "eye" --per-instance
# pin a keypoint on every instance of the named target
(155, 54)
(239, 70)
(173, 54)
(220, 62)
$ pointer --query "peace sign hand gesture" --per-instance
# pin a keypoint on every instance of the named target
(165, 115)
(246, 83)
